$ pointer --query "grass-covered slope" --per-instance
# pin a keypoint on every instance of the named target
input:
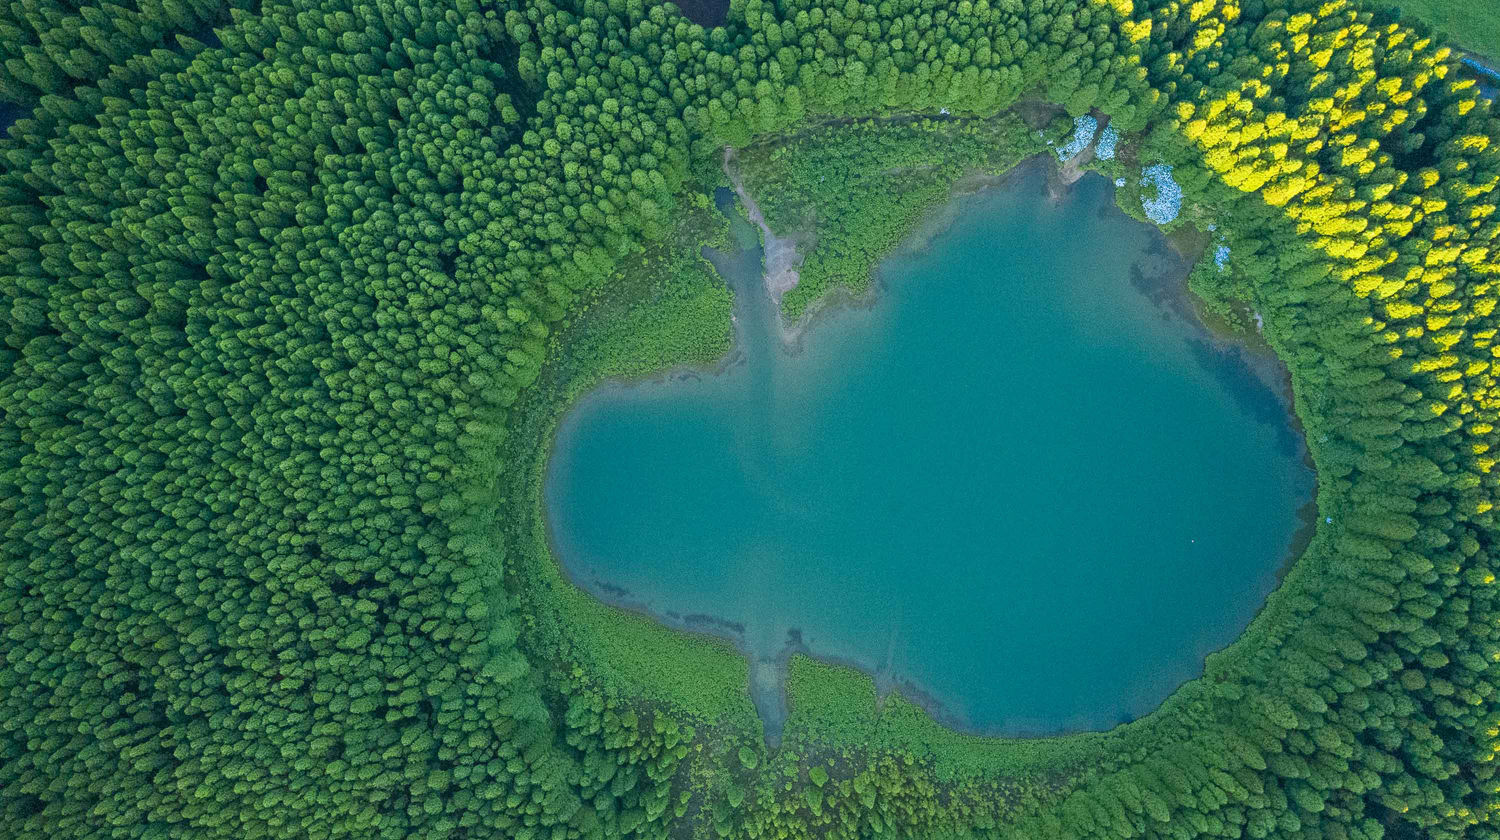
(1474, 24)
(276, 313)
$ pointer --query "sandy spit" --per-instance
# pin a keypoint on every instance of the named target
(782, 258)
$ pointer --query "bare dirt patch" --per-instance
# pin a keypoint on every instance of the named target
(782, 254)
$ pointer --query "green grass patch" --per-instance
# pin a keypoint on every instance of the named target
(1471, 24)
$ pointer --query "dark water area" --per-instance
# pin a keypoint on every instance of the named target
(10, 114)
(705, 13)
(207, 36)
(1025, 486)
(1487, 78)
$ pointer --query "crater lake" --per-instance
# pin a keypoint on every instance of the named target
(1023, 483)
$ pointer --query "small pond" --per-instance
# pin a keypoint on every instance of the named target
(1025, 485)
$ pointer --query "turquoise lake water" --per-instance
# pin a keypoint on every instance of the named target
(1024, 486)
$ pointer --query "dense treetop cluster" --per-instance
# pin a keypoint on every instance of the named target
(271, 309)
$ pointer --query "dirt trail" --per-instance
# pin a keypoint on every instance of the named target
(782, 259)
(1073, 168)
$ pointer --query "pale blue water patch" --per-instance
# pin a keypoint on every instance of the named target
(1482, 69)
(1025, 485)
(1488, 78)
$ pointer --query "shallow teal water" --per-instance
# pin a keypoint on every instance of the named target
(1025, 485)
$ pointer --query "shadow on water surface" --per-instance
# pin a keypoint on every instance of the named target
(1244, 366)
(705, 13)
(1252, 379)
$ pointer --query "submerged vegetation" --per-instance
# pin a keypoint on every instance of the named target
(288, 321)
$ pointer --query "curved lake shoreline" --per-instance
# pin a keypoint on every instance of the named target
(725, 624)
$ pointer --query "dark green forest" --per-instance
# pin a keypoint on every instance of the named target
(289, 318)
